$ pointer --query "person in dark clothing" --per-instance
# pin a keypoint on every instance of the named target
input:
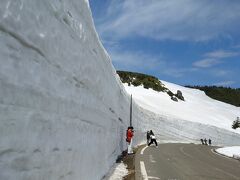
(202, 141)
(148, 137)
(205, 141)
(152, 138)
(209, 142)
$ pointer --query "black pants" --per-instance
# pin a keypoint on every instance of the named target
(152, 141)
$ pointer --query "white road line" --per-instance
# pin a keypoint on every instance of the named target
(143, 171)
(152, 177)
(143, 149)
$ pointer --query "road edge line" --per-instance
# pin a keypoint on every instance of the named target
(143, 149)
(143, 170)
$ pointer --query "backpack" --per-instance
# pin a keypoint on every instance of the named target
(152, 137)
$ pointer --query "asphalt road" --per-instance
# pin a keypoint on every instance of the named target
(184, 162)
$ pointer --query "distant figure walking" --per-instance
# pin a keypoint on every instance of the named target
(152, 138)
(202, 141)
(148, 137)
(209, 142)
(129, 138)
(205, 141)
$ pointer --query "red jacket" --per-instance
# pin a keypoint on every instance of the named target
(129, 135)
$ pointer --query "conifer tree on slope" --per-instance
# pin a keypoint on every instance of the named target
(236, 123)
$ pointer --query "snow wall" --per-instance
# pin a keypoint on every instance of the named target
(170, 129)
(63, 110)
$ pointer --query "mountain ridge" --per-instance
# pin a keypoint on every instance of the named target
(223, 94)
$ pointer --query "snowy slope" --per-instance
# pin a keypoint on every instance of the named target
(197, 117)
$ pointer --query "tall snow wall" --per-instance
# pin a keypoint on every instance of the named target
(63, 111)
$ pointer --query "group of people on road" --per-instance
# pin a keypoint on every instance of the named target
(151, 138)
(129, 136)
(204, 141)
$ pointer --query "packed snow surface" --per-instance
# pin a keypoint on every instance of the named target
(117, 172)
(229, 151)
(63, 110)
(197, 107)
(197, 117)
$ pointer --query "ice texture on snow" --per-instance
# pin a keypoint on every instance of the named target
(117, 172)
(63, 112)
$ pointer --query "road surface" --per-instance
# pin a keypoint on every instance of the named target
(184, 162)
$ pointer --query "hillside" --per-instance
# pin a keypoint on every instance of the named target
(224, 94)
(197, 117)
(148, 82)
(227, 95)
(138, 79)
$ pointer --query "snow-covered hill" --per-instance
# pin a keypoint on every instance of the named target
(197, 117)
(63, 109)
(197, 107)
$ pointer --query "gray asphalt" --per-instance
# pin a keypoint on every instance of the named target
(185, 162)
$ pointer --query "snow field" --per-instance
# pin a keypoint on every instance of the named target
(233, 151)
(186, 121)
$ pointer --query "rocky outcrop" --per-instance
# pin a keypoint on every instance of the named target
(179, 95)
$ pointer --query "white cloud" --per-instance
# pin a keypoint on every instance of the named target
(220, 72)
(221, 54)
(236, 46)
(213, 58)
(224, 83)
(190, 20)
(205, 63)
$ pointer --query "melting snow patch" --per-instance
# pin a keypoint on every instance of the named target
(117, 172)
(233, 151)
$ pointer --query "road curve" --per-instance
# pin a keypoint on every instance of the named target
(184, 162)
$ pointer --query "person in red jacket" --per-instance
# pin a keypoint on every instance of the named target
(129, 139)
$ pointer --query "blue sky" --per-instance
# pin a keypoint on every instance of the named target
(187, 42)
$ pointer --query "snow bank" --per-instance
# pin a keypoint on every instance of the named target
(117, 172)
(233, 151)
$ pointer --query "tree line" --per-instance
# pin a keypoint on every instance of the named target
(224, 94)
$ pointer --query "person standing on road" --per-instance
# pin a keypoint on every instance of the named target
(209, 142)
(152, 138)
(205, 141)
(129, 139)
(148, 137)
(202, 141)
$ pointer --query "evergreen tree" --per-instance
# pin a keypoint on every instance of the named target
(236, 123)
